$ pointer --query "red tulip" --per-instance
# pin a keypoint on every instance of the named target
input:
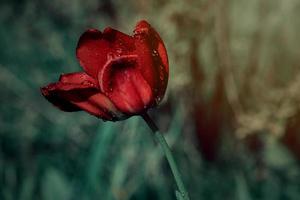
(124, 75)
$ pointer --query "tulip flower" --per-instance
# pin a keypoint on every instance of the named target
(123, 76)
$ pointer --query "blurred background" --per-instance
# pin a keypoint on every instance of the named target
(231, 113)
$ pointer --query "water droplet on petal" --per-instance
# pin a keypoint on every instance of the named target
(157, 100)
(110, 56)
(154, 53)
(118, 52)
(161, 75)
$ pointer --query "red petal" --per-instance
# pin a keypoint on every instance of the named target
(80, 78)
(104, 76)
(95, 48)
(125, 85)
(153, 59)
(77, 91)
(58, 101)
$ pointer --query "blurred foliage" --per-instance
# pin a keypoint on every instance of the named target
(231, 113)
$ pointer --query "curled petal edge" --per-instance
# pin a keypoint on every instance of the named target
(81, 95)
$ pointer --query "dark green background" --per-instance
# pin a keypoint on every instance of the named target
(231, 112)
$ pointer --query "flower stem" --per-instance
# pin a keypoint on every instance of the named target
(167, 151)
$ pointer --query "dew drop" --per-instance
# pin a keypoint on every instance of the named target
(118, 51)
(139, 37)
(161, 75)
(157, 100)
(154, 53)
(87, 83)
(110, 56)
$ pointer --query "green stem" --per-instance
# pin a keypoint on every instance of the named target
(167, 151)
